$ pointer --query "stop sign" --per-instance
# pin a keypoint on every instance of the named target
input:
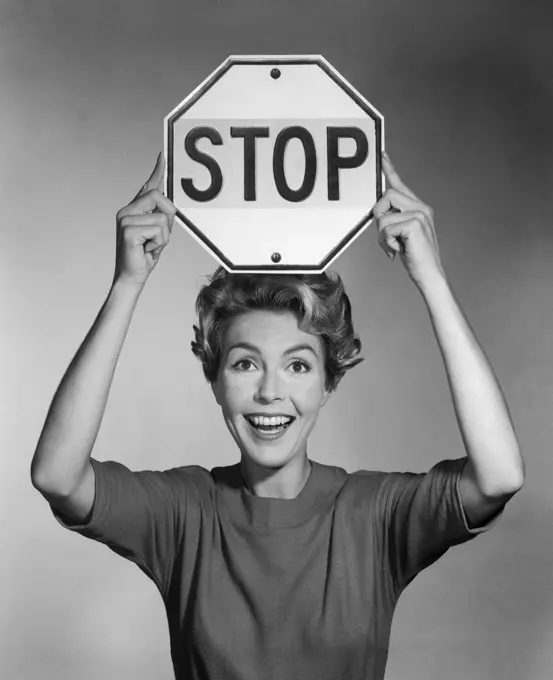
(273, 163)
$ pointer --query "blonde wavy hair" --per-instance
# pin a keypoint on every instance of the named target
(319, 302)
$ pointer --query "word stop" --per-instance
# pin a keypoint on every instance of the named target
(250, 135)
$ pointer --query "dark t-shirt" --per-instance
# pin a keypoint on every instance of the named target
(278, 589)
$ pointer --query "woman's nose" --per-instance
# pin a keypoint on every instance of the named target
(270, 387)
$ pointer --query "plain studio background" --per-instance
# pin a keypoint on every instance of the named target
(466, 91)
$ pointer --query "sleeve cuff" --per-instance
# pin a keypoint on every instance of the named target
(92, 519)
(474, 531)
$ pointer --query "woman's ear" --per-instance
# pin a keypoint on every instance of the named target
(326, 396)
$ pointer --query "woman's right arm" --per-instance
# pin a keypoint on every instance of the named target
(61, 468)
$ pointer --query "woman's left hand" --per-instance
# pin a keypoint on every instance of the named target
(406, 226)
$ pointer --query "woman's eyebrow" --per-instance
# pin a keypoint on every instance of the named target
(300, 347)
(290, 350)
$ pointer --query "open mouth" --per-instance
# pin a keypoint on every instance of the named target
(274, 425)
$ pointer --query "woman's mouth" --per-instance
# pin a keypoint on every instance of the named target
(269, 428)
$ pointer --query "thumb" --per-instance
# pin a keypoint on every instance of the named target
(393, 180)
(156, 178)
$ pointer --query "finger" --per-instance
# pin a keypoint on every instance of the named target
(158, 242)
(149, 221)
(155, 245)
(423, 215)
(156, 178)
(393, 180)
(389, 237)
(388, 244)
(152, 200)
(395, 200)
(396, 224)
(158, 219)
(151, 237)
(398, 217)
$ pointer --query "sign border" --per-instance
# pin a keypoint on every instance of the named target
(276, 60)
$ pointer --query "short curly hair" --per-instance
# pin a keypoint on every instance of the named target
(319, 301)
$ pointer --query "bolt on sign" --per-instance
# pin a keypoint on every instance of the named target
(273, 163)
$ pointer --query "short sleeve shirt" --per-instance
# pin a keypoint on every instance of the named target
(278, 588)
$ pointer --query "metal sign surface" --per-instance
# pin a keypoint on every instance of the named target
(273, 163)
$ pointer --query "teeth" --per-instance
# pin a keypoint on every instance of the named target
(269, 422)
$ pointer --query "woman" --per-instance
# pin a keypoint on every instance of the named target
(279, 566)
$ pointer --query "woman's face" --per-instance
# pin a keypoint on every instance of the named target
(270, 369)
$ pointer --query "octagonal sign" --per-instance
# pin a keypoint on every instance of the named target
(273, 163)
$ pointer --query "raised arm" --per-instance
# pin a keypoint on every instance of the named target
(61, 468)
(495, 468)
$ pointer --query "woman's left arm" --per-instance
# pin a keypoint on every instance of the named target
(495, 468)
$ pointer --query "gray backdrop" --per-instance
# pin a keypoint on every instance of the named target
(466, 90)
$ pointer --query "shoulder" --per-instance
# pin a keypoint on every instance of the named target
(189, 474)
(354, 488)
(363, 487)
(379, 487)
(187, 478)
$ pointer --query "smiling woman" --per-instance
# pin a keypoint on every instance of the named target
(277, 566)
(274, 346)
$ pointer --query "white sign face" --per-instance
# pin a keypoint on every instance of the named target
(273, 163)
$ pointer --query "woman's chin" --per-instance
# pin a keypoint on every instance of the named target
(267, 457)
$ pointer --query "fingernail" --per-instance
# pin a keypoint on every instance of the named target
(385, 155)
(390, 255)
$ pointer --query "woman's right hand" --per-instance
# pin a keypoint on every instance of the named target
(143, 230)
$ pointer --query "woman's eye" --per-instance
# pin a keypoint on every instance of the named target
(239, 365)
(302, 365)
(246, 365)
